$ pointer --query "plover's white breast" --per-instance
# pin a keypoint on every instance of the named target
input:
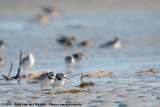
(117, 44)
(47, 82)
(57, 83)
(69, 60)
(46, 79)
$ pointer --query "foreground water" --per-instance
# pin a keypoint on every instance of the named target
(138, 31)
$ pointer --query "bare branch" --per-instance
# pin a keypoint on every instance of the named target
(10, 70)
(19, 69)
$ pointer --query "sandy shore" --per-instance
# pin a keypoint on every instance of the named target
(120, 90)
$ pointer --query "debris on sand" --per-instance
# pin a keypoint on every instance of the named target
(99, 74)
(150, 70)
(86, 84)
(74, 91)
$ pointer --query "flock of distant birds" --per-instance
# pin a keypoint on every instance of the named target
(51, 78)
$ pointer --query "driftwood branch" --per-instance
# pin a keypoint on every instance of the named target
(19, 69)
(18, 72)
(10, 70)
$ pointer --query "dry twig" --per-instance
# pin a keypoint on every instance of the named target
(10, 70)
(18, 76)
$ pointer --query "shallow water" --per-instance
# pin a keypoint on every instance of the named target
(138, 31)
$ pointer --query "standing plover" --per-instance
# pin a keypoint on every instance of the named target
(116, 43)
(2, 44)
(28, 61)
(78, 57)
(69, 61)
(65, 41)
(86, 44)
(59, 80)
(1, 61)
(46, 79)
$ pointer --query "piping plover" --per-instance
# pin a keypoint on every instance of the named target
(78, 57)
(46, 79)
(65, 41)
(1, 61)
(69, 61)
(28, 61)
(59, 80)
(2, 44)
(116, 43)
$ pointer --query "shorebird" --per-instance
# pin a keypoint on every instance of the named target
(78, 57)
(1, 61)
(59, 80)
(46, 79)
(28, 61)
(2, 44)
(86, 44)
(68, 42)
(116, 43)
(69, 61)
(41, 19)
(51, 11)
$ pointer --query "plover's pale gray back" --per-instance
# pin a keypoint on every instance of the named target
(28, 61)
(59, 80)
(78, 57)
(116, 43)
(2, 44)
(46, 79)
(69, 61)
(1, 61)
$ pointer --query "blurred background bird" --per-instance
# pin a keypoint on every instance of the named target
(116, 43)
(69, 61)
(28, 61)
(1, 62)
(2, 44)
(79, 57)
(66, 41)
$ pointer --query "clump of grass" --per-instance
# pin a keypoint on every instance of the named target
(73, 91)
(146, 71)
(99, 74)
(86, 84)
